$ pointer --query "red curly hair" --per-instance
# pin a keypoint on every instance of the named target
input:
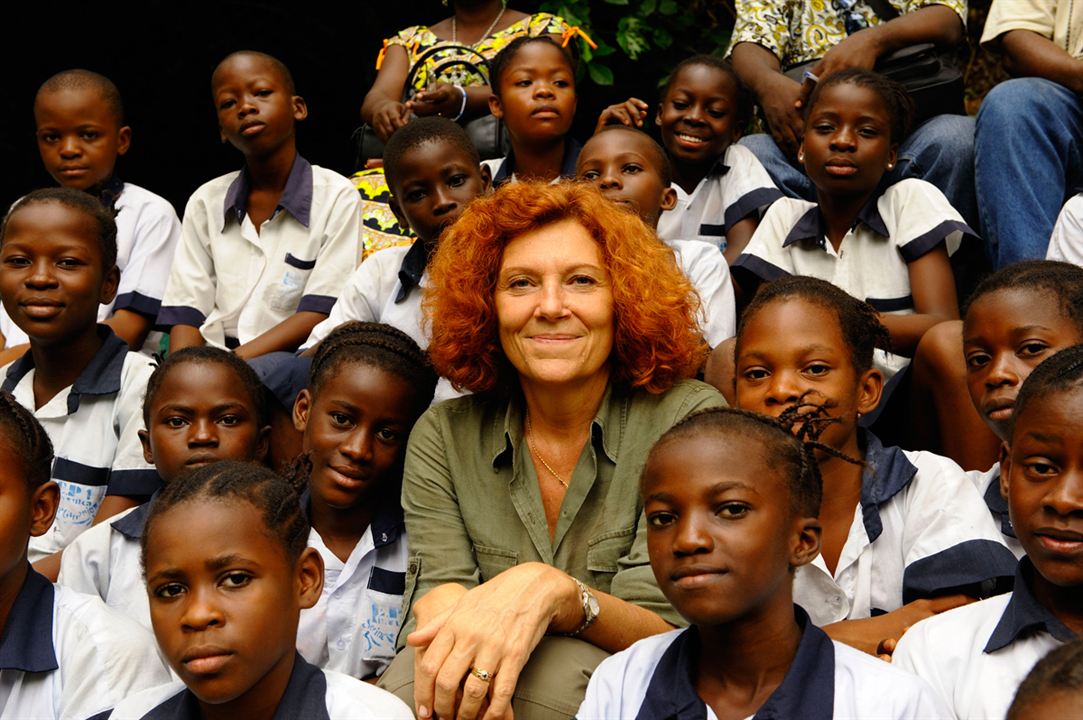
(657, 339)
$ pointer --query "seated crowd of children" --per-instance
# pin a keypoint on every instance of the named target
(238, 547)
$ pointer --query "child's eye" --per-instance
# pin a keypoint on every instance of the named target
(732, 510)
(456, 181)
(823, 128)
(869, 132)
(236, 579)
(523, 83)
(754, 374)
(415, 196)
(1032, 348)
(388, 435)
(1040, 468)
(230, 420)
(817, 369)
(227, 104)
(560, 83)
(264, 92)
(660, 519)
(679, 104)
(341, 419)
(90, 135)
(175, 421)
(69, 262)
(169, 591)
(632, 169)
(590, 175)
(50, 137)
(717, 114)
(16, 261)
(976, 360)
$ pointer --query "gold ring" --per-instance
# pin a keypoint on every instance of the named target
(483, 675)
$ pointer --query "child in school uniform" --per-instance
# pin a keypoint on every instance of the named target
(976, 656)
(225, 609)
(630, 168)
(730, 500)
(905, 533)
(202, 405)
(369, 384)
(533, 84)
(81, 134)
(722, 189)
(63, 654)
(57, 250)
(265, 250)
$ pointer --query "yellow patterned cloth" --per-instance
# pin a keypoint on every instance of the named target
(797, 31)
(379, 228)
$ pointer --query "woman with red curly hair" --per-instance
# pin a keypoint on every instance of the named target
(577, 334)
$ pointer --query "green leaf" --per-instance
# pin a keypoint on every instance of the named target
(631, 36)
(600, 74)
(570, 15)
(603, 49)
(662, 38)
(668, 7)
(648, 7)
(617, 2)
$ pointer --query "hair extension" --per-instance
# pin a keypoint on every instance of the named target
(897, 101)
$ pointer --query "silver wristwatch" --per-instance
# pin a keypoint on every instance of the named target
(590, 607)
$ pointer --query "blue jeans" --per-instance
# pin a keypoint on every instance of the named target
(941, 152)
(1027, 150)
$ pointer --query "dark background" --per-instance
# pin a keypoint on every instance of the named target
(161, 55)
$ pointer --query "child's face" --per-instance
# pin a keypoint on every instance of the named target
(696, 115)
(847, 145)
(1006, 335)
(624, 166)
(52, 278)
(792, 348)
(537, 94)
(79, 137)
(355, 433)
(202, 413)
(721, 533)
(256, 113)
(433, 183)
(1042, 477)
(24, 513)
(225, 608)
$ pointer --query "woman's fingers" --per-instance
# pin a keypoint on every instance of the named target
(427, 665)
(476, 688)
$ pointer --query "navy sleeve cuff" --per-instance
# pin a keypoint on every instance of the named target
(964, 565)
(138, 484)
(137, 302)
(171, 315)
(759, 267)
(925, 242)
(750, 203)
(316, 303)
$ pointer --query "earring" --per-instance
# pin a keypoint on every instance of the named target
(800, 157)
(891, 166)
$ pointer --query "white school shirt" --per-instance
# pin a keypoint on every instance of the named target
(1066, 242)
(234, 283)
(106, 561)
(653, 679)
(94, 426)
(706, 268)
(920, 528)
(975, 656)
(385, 288)
(988, 486)
(737, 187)
(311, 694)
(66, 655)
(352, 628)
(148, 232)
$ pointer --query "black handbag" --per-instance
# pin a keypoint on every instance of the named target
(930, 75)
(487, 132)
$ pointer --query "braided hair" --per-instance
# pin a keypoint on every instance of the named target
(233, 481)
(1059, 280)
(1057, 373)
(27, 439)
(205, 354)
(1060, 671)
(500, 64)
(897, 102)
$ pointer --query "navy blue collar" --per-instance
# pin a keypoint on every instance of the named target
(998, 504)
(811, 227)
(567, 163)
(887, 473)
(108, 192)
(296, 197)
(132, 525)
(412, 269)
(807, 691)
(27, 640)
(101, 376)
(305, 697)
(387, 524)
(1024, 615)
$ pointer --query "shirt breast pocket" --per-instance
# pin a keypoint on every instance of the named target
(493, 561)
(604, 553)
(284, 294)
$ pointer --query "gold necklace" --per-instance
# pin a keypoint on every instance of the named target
(535, 453)
(455, 30)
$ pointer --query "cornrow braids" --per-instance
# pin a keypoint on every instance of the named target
(106, 235)
(897, 102)
(28, 439)
(499, 64)
(859, 323)
(376, 345)
(1057, 373)
(1060, 671)
(1059, 280)
(277, 501)
(208, 355)
(782, 450)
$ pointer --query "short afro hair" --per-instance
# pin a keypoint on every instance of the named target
(665, 169)
(280, 67)
(78, 79)
(418, 132)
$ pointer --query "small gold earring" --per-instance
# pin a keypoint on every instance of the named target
(801, 157)
(891, 166)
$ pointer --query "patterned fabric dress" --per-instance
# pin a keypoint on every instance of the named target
(379, 227)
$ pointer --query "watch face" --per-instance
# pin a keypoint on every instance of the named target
(592, 603)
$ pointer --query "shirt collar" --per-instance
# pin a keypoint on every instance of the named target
(506, 171)
(131, 525)
(108, 192)
(807, 690)
(887, 472)
(387, 525)
(1024, 614)
(27, 640)
(296, 197)
(412, 270)
(101, 376)
(810, 227)
(998, 504)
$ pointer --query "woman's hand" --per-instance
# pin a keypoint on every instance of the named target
(437, 99)
(632, 112)
(493, 627)
(388, 117)
(878, 635)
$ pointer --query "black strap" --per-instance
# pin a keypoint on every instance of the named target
(883, 9)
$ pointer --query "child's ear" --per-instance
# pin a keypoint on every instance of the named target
(669, 199)
(43, 502)
(300, 108)
(144, 440)
(486, 179)
(801, 152)
(301, 408)
(110, 283)
(495, 107)
(1005, 469)
(263, 444)
(892, 156)
(396, 210)
(124, 140)
(870, 388)
(658, 115)
(309, 577)
(806, 541)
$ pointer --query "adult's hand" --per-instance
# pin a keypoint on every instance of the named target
(493, 627)
(860, 50)
(781, 107)
(388, 117)
(440, 99)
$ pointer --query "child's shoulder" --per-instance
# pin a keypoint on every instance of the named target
(350, 697)
(330, 181)
(960, 627)
(135, 197)
(619, 684)
(139, 705)
(212, 193)
(869, 687)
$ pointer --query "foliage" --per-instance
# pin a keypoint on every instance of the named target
(658, 32)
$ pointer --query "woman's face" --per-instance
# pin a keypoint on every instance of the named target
(554, 305)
